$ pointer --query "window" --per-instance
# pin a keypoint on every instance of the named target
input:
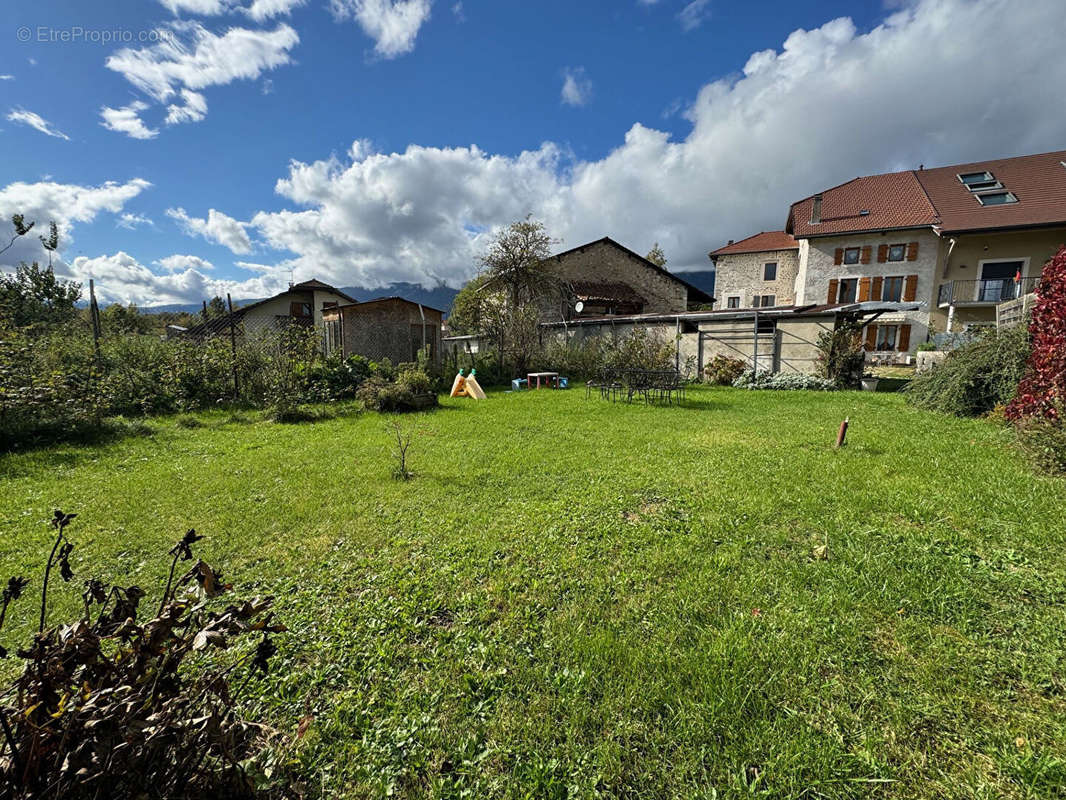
(848, 288)
(975, 181)
(892, 291)
(769, 271)
(763, 301)
(996, 198)
(897, 252)
(886, 337)
(300, 310)
(732, 302)
(851, 255)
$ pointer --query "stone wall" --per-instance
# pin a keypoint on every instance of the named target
(741, 275)
(602, 262)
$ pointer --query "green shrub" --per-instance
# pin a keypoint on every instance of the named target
(723, 370)
(410, 390)
(976, 377)
(1043, 440)
(749, 379)
(841, 358)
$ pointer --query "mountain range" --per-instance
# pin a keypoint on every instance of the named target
(440, 297)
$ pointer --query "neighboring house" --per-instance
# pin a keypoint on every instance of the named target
(300, 304)
(757, 272)
(958, 240)
(608, 279)
(389, 327)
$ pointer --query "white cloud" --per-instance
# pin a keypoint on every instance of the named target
(261, 10)
(694, 14)
(121, 278)
(218, 228)
(127, 120)
(66, 204)
(201, 7)
(373, 218)
(7, 77)
(392, 24)
(191, 58)
(192, 109)
(131, 221)
(180, 263)
(457, 10)
(37, 122)
(577, 88)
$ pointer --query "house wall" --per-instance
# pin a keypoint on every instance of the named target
(603, 262)
(970, 250)
(741, 275)
(384, 330)
(265, 316)
(817, 268)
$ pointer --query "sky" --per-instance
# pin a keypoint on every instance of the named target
(187, 148)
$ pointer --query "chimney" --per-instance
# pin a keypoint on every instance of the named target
(816, 210)
(729, 243)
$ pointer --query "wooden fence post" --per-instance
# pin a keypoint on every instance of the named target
(233, 347)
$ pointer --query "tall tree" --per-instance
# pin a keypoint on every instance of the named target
(515, 260)
(656, 256)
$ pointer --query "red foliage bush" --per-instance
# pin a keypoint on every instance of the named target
(1043, 388)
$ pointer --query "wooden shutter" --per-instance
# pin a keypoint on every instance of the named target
(910, 288)
(912, 251)
(833, 284)
(864, 289)
(878, 284)
(871, 338)
(882, 253)
(904, 338)
(838, 256)
(864, 254)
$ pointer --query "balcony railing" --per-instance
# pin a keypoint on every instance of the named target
(990, 291)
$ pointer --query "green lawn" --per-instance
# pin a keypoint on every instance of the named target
(579, 598)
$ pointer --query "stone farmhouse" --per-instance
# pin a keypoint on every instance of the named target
(605, 278)
(956, 241)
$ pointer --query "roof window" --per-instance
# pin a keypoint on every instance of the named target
(978, 181)
(996, 198)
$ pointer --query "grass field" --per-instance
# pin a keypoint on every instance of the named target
(585, 599)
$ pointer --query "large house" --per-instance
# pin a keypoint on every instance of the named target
(956, 240)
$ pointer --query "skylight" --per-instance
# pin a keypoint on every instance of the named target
(976, 181)
(996, 198)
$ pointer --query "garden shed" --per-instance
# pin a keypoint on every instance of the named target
(390, 327)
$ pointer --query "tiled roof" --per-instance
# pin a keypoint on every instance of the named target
(759, 243)
(1039, 183)
(936, 197)
(894, 200)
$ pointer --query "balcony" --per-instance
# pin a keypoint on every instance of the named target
(988, 292)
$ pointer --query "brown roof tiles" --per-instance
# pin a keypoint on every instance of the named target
(759, 243)
(937, 198)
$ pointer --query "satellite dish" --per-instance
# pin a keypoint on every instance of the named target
(579, 307)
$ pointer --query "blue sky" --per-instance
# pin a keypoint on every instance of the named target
(405, 131)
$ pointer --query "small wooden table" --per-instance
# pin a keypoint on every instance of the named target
(533, 379)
